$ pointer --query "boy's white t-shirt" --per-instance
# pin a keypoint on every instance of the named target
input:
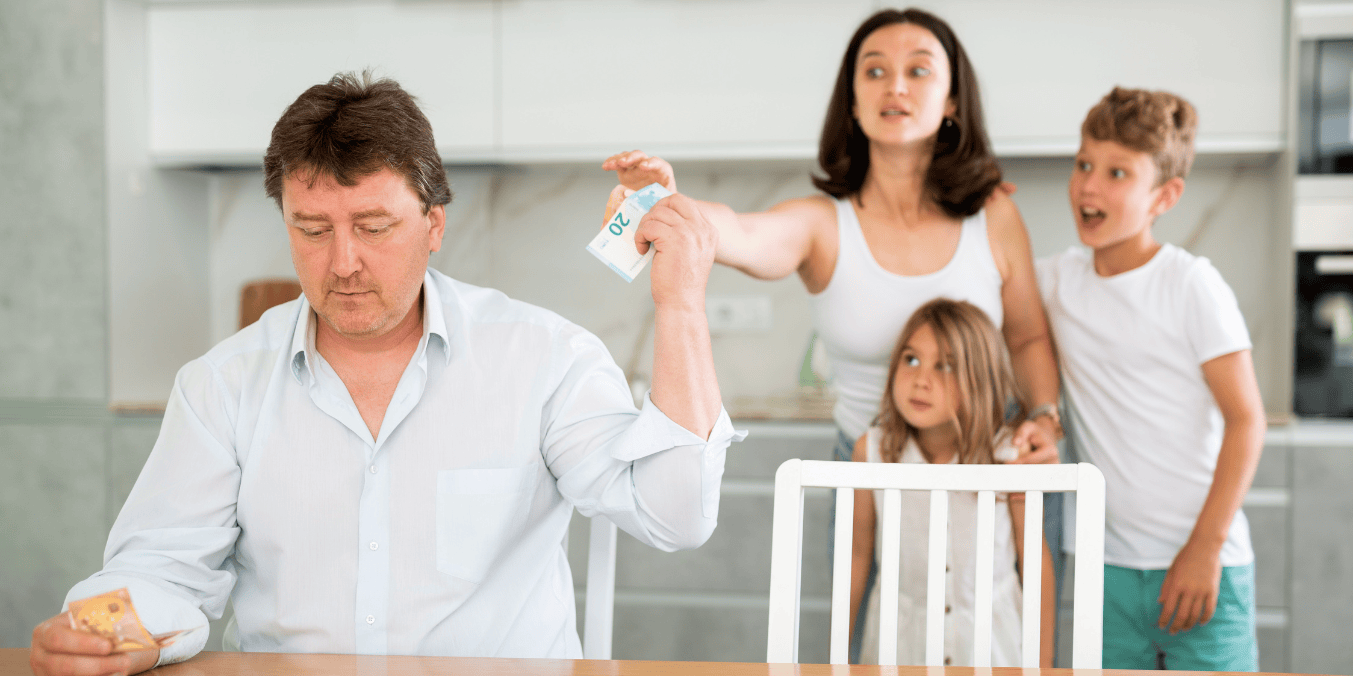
(1131, 349)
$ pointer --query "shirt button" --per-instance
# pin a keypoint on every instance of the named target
(373, 469)
(374, 546)
(947, 609)
(370, 619)
(948, 661)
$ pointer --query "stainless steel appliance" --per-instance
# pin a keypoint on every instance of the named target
(1325, 125)
(1324, 334)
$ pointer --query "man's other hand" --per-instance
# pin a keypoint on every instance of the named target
(58, 650)
(685, 242)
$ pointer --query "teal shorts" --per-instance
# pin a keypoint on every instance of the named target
(1132, 639)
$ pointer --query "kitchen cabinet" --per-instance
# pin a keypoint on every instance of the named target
(1043, 63)
(575, 80)
(751, 78)
(1321, 560)
(220, 74)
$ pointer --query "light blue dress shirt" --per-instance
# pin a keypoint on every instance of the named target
(443, 535)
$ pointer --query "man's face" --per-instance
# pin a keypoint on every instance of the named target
(360, 251)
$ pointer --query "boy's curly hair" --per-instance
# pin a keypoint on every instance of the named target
(1159, 123)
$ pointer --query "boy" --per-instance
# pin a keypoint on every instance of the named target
(1161, 396)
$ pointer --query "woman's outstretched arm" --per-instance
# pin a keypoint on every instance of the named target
(772, 244)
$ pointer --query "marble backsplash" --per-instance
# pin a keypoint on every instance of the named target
(522, 229)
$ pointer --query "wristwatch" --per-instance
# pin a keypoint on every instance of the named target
(1049, 410)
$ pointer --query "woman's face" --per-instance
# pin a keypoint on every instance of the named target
(901, 85)
(925, 389)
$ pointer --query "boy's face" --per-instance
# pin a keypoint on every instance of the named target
(1114, 196)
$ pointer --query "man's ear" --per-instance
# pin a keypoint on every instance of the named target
(436, 227)
(1167, 195)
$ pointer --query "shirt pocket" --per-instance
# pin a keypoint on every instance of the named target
(479, 513)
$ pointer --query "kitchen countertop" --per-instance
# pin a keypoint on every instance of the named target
(1309, 432)
(810, 412)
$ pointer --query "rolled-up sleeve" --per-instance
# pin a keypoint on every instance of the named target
(655, 479)
(171, 540)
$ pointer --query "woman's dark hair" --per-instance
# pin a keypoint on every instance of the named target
(962, 173)
(351, 127)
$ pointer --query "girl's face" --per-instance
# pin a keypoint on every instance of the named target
(925, 389)
(901, 85)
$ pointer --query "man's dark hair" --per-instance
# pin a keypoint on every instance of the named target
(352, 127)
(963, 171)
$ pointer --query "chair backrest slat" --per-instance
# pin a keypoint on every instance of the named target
(936, 576)
(786, 561)
(599, 610)
(890, 557)
(1033, 577)
(982, 575)
(841, 560)
(1088, 619)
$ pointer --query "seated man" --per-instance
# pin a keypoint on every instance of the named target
(388, 464)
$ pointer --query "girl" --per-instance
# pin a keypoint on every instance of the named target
(946, 399)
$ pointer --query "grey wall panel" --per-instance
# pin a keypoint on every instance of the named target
(52, 263)
(52, 497)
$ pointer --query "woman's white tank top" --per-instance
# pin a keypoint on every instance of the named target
(860, 314)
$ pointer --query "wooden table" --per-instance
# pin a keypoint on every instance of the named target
(14, 661)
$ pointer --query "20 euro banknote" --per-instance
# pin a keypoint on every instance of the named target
(614, 245)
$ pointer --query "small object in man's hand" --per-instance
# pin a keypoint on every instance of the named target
(112, 616)
(614, 245)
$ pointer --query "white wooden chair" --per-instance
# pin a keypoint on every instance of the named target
(599, 608)
(782, 643)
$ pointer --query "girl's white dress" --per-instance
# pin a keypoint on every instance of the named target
(1007, 593)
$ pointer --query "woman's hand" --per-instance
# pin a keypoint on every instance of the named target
(1036, 444)
(635, 169)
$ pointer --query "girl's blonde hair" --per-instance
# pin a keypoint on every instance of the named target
(986, 381)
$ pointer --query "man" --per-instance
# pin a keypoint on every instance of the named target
(389, 463)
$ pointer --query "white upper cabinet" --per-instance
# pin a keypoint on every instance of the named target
(1043, 63)
(222, 73)
(686, 78)
(541, 80)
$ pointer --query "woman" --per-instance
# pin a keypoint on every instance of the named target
(911, 214)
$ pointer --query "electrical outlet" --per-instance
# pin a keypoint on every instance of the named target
(738, 314)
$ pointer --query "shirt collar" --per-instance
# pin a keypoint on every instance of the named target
(434, 316)
(303, 335)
